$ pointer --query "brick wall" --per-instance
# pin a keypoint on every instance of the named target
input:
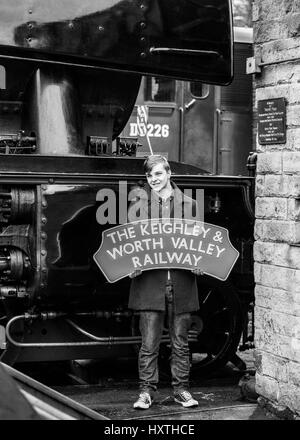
(277, 229)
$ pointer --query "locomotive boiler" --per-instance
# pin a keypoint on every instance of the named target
(70, 94)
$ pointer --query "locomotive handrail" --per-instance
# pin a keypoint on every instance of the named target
(184, 51)
(189, 104)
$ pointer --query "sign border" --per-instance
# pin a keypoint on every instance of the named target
(166, 267)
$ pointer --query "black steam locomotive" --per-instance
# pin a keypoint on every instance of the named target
(87, 89)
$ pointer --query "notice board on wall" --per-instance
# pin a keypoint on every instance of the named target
(271, 121)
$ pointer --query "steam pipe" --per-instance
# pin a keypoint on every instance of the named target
(100, 341)
(110, 340)
(120, 339)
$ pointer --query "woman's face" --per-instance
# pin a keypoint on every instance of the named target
(158, 178)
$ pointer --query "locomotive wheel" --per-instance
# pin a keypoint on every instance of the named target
(218, 326)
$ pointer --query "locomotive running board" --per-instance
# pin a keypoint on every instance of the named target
(47, 403)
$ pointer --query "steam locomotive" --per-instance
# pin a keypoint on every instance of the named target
(87, 90)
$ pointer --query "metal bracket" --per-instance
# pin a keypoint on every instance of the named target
(253, 65)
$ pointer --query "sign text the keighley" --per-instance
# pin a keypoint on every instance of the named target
(165, 244)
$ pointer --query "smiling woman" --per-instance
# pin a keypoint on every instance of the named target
(159, 180)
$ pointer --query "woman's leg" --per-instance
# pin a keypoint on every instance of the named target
(151, 328)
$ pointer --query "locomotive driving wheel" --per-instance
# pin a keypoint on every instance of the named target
(217, 326)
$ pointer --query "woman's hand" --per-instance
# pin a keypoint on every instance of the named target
(198, 272)
(135, 273)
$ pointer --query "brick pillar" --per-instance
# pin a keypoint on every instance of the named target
(277, 229)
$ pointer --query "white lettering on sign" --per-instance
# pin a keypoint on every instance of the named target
(166, 243)
(151, 130)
